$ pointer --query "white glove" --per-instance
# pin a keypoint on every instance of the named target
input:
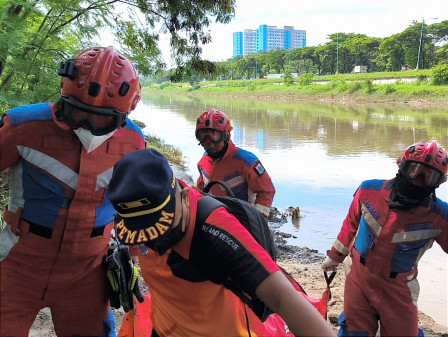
(329, 264)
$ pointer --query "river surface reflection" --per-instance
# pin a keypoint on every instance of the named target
(316, 155)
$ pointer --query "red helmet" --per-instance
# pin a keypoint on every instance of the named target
(101, 77)
(213, 124)
(214, 120)
(425, 159)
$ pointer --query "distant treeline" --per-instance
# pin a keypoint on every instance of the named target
(420, 44)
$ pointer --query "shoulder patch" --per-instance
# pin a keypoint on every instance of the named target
(259, 169)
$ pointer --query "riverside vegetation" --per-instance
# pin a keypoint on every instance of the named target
(416, 87)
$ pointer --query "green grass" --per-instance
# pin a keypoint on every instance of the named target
(356, 85)
(364, 76)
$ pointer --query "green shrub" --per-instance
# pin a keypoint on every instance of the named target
(335, 84)
(389, 88)
(368, 85)
(287, 78)
(306, 79)
(242, 84)
(165, 84)
(440, 74)
(195, 86)
(421, 78)
(354, 86)
(342, 86)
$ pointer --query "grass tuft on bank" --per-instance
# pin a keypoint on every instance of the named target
(173, 154)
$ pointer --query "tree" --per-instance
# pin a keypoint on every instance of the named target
(441, 55)
(439, 32)
(276, 59)
(36, 35)
(359, 50)
(391, 53)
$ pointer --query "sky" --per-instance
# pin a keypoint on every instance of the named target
(320, 18)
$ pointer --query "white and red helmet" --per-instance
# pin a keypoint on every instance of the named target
(426, 159)
(213, 124)
(99, 87)
(101, 77)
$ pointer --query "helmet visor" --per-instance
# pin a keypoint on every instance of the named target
(100, 121)
(413, 169)
(214, 136)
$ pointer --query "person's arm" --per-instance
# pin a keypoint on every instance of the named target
(300, 315)
(340, 248)
(260, 183)
(442, 238)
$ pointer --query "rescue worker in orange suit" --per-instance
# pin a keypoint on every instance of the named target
(239, 169)
(389, 226)
(185, 263)
(58, 221)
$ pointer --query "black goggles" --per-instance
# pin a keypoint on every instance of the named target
(214, 136)
(100, 121)
(413, 169)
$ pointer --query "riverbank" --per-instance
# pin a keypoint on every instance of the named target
(339, 99)
(304, 265)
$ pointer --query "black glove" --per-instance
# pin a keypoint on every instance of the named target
(122, 276)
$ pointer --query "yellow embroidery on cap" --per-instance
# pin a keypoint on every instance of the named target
(166, 217)
(120, 224)
(147, 211)
(130, 238)
(152, 232)
(173, 183)
(162, 228)
(147, 234)
(141, 236)
(134, 204)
